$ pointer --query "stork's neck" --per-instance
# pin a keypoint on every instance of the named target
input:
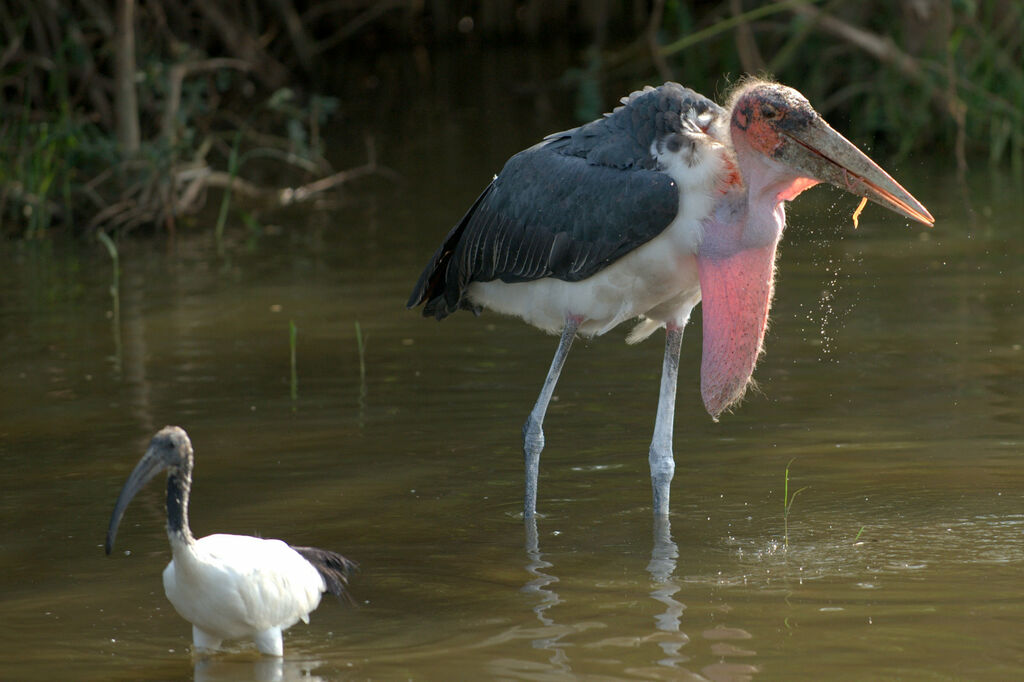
(767, 184)
(747, 215)
(179, 484)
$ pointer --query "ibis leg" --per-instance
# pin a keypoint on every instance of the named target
(663, 466)
(533, 432)
(204, 641)
(270, 642)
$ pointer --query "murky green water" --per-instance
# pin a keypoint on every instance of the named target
(894, 375)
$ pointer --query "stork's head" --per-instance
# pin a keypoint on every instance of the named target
(799, 149)
(171, 450)
(782, 147)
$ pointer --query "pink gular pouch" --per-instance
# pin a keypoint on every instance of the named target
(737, 293)
(737, 284)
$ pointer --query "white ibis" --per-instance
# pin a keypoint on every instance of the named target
(229, 586)
(667, 201)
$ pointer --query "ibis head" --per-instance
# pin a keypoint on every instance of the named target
(169, 450)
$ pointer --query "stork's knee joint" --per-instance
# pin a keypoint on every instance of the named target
(663, 467)
(533, 435)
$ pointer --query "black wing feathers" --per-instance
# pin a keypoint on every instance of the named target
(332, 567)
(567, 207)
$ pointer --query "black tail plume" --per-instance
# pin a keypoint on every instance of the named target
(332, 567)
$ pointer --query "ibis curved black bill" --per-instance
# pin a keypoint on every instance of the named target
(821, 153)
(148, 467)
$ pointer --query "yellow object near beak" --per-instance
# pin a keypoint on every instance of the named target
(856, 214)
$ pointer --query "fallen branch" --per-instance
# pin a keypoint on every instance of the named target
(249, 190)
(289, 196)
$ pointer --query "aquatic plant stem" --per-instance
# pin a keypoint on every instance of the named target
(225, 202)
(293, 333)
(115, 294)
(361, 345)
(787, 503)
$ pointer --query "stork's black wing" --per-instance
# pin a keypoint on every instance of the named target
(567, 207)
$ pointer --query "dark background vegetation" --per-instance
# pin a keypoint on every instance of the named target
(125, 114)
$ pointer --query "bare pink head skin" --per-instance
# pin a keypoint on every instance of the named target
(782, 147)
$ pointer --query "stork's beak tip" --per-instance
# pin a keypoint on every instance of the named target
(929, 220)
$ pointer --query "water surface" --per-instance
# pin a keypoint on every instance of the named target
(892, 381)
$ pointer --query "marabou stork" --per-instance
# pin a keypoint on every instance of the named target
(668, 201)
(229, 586)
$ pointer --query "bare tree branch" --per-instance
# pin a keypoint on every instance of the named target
(881, 48)
(746, 45)
(651, 33)
(244, 46)
(127, 102)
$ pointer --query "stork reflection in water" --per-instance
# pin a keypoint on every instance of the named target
(229, 586)
(669, 201)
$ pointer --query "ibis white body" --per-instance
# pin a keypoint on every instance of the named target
(241, 587)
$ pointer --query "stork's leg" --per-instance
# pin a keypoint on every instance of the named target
(662, 464)
(204, 641)
(270, 642)
(533, 432)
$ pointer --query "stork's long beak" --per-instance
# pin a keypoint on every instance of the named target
(819, 152)
(148, 467)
